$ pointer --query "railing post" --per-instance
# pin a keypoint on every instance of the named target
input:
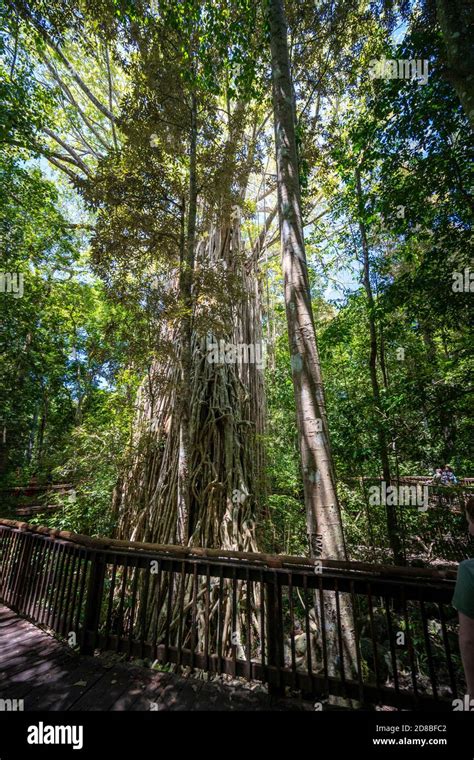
(275, 637)
(93, 602)
(23, 569)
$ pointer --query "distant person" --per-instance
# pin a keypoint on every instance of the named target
(437, 481)
(463, 602)
(448, 478)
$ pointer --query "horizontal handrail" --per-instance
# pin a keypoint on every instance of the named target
(257, 558)
(34, 488)
(428, 479)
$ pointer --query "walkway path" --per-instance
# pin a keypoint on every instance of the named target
(46, 675)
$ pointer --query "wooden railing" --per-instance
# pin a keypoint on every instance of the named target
(25, 501)
(257, 616)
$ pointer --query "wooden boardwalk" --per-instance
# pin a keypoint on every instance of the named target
(46, 675)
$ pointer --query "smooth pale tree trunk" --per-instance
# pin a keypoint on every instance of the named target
(391, 511)
(322, 508)
(186, 292)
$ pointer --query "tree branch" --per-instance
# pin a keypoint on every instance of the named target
(109, 79)
(77, 159)
(75, 178)
(66, 90)
(70, 68)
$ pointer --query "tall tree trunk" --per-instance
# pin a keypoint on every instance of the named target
(322, 507)
(456, 21)
(186, 288)
(42, 431)
(226, 403)
(319, 482)
(392, 521)
(4, 449)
